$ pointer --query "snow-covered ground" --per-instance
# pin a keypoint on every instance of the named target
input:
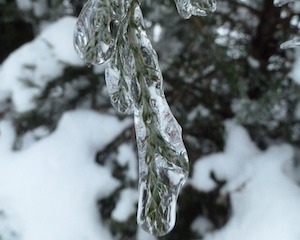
(48, 190)
(264, 196)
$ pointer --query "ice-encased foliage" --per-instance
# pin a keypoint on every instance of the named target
(187, 8)
(96, 29)
(134, 81)
(163, 161)
(114, 31)
(119, 74)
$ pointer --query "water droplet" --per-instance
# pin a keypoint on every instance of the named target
(187, 8)
(134, 82)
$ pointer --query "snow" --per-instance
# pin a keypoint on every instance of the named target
(227, 165)
(38, 7)
(31, 137)
(127, 157)
(254, 63)
(126, 205)
(200, 110)
(7, 136)
(49, 191)
(201, 225)
(157, 32)
(38, 62)
(295, 73)
(24, 5)
(265, 199)
(60, 36)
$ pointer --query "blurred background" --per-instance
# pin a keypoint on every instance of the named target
(227, 81)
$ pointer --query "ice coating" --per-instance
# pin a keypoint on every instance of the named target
(295, 42)
(135, 84)
(187, 8)
(95, 31)
(163, 161)
(163, 169)
(119, 74)
(134, 81)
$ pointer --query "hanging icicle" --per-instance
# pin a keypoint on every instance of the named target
(96, 29)
(113, 31)
(163, 161)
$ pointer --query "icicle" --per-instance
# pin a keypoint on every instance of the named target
(135, 84)
(163, 161)
(187, 8)
(119, 75)
(117, 87)
(295, 42)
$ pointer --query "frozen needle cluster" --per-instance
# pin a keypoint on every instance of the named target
(113, 31)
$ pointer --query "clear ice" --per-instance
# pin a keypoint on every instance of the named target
(134, 81)
(163, 167)
(135, 84)
(294, 42)
(163, 161)
(119, 74)
(187, 8)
